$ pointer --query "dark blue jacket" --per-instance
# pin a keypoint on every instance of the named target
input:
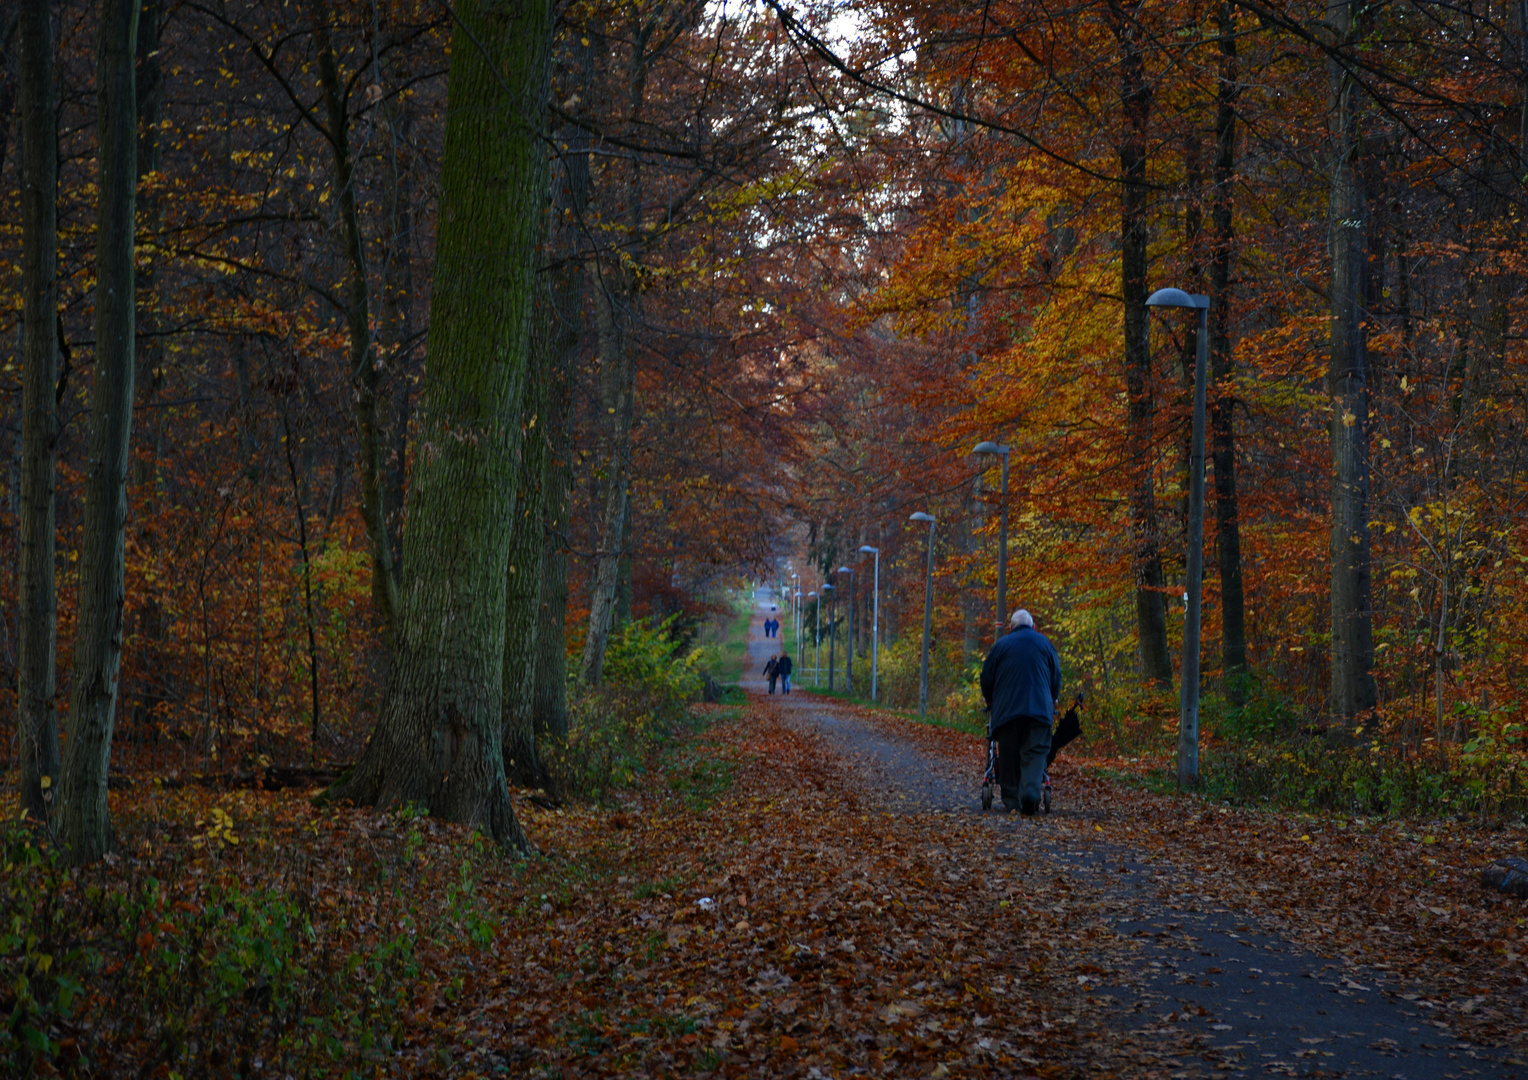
(1022, 678)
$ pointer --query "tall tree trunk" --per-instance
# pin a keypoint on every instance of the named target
(1150, 606)
(1352, 688)
(618, 313)
(36, 674)
(614, 309)
(84, 821)
(438, 742)
(365, 374)
(1233, 625)
(569, 200)
(523, 584)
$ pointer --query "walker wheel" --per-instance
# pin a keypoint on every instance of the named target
(1045, 799)
(986, 796)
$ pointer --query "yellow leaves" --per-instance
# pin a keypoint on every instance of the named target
(1348, 418)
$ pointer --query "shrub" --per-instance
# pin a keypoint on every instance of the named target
(614, 728)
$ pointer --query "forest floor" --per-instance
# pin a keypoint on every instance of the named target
(806, 888)
(821, 895)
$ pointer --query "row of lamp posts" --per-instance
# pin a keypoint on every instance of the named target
(1188, 720)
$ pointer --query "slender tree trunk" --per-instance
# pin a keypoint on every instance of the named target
(37, 710)
(1150, 606)
(617, 377)
(1352, 687)
(618, 313)
(1233, 626)
(85, 824)
(365, 374)
(523, 583)
(569, 201)
(438, 742)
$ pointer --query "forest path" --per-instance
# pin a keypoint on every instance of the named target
(1182, 971)
(766, 604)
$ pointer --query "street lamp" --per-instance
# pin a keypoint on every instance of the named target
(1188, 718)
(875, 620)
(1002, 535)
(832, 630)
(816, 656)
(849, 655)
(928, 612)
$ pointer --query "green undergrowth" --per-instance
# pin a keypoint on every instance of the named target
(619, 730)
(1266, 752)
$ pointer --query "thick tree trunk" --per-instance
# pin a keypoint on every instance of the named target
(438, 742)
(1233, 627)
(84, 822)
(1347, 381)
(365, 374)
(36, 674)
(1150, 608)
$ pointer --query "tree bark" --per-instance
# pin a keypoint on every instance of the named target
(1352, 661)
(523, 582)
(365, 374)
(570, 198)
(438, 742)
(36, 675)
(1150, 606)
(617, 313)
(84, 821)
(614, 310)
(1233, 626)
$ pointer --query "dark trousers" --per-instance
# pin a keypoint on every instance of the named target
(1023, 744)
(772, 683)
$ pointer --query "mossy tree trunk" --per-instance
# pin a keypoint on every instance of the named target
(84, 821)
(438, 742)
(36, 669)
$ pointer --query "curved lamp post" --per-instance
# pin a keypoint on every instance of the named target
(849, 638)
(928, 612)
(1002, 535)
(875, 620)
(1188, 716)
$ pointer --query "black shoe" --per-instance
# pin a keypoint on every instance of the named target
(1028, 807)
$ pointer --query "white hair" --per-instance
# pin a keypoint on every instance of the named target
(1021, 618)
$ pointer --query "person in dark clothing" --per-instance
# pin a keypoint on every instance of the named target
(1021, 684)
(772, 672)
(783, 668)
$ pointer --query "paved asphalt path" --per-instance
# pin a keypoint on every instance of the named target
(1267, 1006)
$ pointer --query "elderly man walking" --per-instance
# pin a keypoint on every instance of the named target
(1021, 683)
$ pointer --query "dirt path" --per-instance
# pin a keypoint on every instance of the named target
(766, 605)
(1183, 970)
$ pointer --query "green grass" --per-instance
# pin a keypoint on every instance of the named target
(731, 637)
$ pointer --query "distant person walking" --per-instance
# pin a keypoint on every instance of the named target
(783, 668)
(1021, 684)
(772, 672)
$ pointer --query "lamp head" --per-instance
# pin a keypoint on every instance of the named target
(921, 516)
(989, 448)
(1177, 298)
(846, 570)
(826, 586)
(866, 549)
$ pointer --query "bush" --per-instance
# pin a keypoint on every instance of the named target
(124, 974)
(650, 679)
